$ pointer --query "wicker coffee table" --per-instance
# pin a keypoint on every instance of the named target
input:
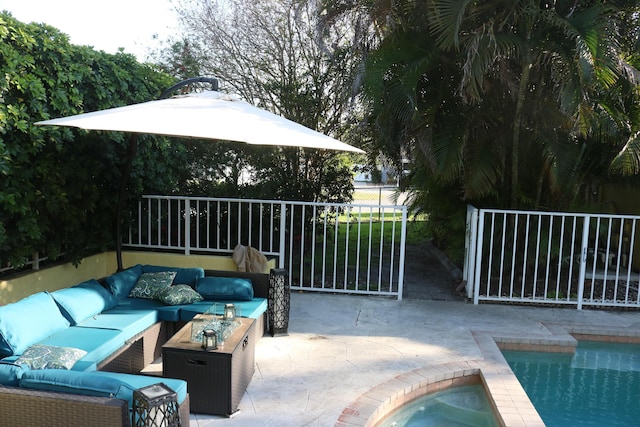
(217, 379)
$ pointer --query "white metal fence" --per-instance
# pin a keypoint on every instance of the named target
(348, 248)
(33, 263)
(552, 258)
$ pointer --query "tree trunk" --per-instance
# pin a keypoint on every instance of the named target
(517, 123)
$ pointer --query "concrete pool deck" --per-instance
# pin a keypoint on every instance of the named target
(344, 354)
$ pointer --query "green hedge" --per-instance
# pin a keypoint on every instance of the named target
(58, 186)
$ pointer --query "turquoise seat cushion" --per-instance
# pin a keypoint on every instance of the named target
(169, 313)
(184, 276)
(252, 309)
(98, 343)
(84, 300)
(225, 288)
(129, 322)
(99, 383)
(28, 321)
(121, 283)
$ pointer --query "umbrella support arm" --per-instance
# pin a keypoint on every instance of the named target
(213, 81)
(124, 183)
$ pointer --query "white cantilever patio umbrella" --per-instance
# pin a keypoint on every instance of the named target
(209, 115)
(206, 115)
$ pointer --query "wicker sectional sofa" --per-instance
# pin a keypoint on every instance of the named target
(72, 357)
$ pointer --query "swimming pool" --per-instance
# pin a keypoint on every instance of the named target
(599, 385)
(463, 406)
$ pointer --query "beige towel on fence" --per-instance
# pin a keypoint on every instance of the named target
(249, 259)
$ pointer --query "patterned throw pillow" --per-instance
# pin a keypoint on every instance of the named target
(179, 294)
(149, 285)
(50, 357)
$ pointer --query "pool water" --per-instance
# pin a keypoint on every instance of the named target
(463, 406)
(599, 385)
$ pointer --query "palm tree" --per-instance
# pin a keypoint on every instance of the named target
(504, 103)
(504, 96)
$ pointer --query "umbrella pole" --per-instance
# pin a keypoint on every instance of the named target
(131, 154)
(124, 182)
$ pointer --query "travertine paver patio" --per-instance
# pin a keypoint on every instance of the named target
(342, 348)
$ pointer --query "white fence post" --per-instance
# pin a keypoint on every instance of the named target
(283, 235)
(468, 273)
(403, 240)
(583, 260)
(478, 262)
(187, 226)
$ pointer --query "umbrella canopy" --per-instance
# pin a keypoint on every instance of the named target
(208, 115)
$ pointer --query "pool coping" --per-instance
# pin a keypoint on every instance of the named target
(510, 403)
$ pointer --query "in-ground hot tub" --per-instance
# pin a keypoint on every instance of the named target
(455, 392)
(461, 406)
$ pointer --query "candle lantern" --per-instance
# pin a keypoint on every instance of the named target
(209, 339)
(229, 312)
(279, 301)
(155, 405)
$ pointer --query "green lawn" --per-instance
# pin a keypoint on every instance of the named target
(355, 237)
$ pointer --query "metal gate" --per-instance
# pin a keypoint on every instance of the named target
(552, 258)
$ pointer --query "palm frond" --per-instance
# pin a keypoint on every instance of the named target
(627, 162)
(484, 49)
(447, 154)
(446, 17)
(482, 172)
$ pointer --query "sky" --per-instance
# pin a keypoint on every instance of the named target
(105, 25)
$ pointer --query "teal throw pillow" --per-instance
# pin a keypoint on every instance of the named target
(179, 294)
(149, 285)
(225, 288)
(50, 357)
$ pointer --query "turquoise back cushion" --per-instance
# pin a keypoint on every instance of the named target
(84, 300)
(225, 288)
(29, 321)
(121, 283)
(99, 383)
(184, 276)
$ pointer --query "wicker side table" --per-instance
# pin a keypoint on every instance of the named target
(155, 406)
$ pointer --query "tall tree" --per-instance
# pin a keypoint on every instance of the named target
(285, 57)
(523, 76)
(560, 56)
